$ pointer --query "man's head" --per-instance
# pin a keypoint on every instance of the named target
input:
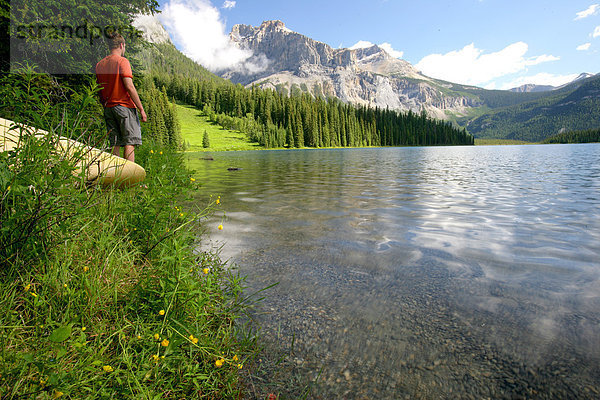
(115, 41)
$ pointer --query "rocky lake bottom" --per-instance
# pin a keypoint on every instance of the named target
(433, 273)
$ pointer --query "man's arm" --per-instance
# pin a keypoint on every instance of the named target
(129, 86)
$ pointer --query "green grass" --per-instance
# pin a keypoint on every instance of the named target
(111, 300)
(497, 142)
(194, 123)
(102, 291)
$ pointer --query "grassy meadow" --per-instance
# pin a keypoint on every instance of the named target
(498, 142)
(193, 125)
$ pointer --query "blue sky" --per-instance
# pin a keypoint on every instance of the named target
(488, 43)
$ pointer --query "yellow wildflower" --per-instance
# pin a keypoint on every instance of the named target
(107, 368)
(151, 151)
(220, 227)
(219, 363)
(155, 357)
(43, 382)
(161, 312)
(181, 214)
(240, 366)
(65, 285)
(27, 287)
(192, 180)
(86, 268)
(34, 294)
(218, 201)
(8, 189)
(83, 328)
(193, 339)
(206, 271)
(164, 343)
(235, 358)
(160, 152)
(138, 337)
(156, 336)
(57, 394)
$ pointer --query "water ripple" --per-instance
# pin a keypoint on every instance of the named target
(491, 249)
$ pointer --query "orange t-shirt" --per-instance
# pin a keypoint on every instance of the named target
(110, 72)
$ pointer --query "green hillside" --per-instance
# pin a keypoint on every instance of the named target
(165, 59)
(575, 107)
(193, 125)
(587, 136)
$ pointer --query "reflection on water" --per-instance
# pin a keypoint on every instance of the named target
(423, 272)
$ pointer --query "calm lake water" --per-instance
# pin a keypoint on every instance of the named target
(443, 272)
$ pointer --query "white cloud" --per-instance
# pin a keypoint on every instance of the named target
(471, 66)
(364, 44)
(592, 10)
(361, 44)
(543, 78)
(596, 32)
(196, 26)
(390, 50)
(584, 47)
(229, 4)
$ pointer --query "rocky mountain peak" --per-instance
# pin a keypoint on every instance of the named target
(583, 76)
(287, 50)
(274, 25)
(152, 29)
(367, 76)
(240, 33)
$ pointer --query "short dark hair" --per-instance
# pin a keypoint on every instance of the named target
(114, 40)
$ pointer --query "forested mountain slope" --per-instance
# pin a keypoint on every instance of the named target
(275, 119)
(575, 107)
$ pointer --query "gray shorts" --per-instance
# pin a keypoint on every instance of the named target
(123, 126)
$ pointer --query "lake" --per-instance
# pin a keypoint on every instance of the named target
(425, 272)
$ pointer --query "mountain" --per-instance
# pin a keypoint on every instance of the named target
(532, 88)
(274, 119)
(294, 63)
(575, 106)
(152, 29)
(580, 78)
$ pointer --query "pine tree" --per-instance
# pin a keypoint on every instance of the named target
(205, 140)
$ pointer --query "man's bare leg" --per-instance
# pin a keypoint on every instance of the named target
(129, 153)
(116, 151)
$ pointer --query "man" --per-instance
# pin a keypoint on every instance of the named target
(120, 99)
